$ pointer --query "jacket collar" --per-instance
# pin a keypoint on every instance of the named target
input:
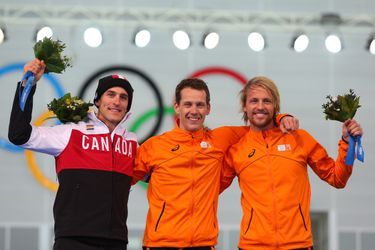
(198, 135)
(120, 127)
(265, 133)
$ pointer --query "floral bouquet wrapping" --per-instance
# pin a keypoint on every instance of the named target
(69, 109)
(342, 108)
(50, 52)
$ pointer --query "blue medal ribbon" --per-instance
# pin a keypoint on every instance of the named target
(23, 94)
(360, 152)
(350, 155)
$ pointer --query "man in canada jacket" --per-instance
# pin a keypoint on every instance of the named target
(94, 164)
(272, 173)
(185, 165)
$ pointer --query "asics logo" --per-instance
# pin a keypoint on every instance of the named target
(175, 148)
(252, 152)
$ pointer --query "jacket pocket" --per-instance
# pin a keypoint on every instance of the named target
(161, 214)
(251, 218)
(303, 218)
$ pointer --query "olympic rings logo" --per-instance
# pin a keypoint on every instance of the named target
(159, 111)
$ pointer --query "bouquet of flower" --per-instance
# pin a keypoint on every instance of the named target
(69, 109)
(342, 108)
(50, 52)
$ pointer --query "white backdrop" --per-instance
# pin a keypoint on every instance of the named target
(304, 79)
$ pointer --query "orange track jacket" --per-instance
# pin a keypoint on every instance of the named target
(273, 178)
(184, 186)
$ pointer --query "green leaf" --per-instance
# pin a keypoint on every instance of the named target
(344, 107)
(50, 52)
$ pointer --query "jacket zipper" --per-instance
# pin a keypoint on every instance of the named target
(251, 218)
(161, 214)
(192, 191)
(303, 218)
(273, 189)
(112, 196)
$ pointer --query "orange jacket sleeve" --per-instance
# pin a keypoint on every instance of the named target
(334, 172)
(142, 166)
(227, 172)
(228, 135)
(279, 117)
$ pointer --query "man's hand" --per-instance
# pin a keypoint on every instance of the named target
(352, 127)
(37, 67)
(289, 124)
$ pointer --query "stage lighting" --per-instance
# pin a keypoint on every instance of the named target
(181, 39)
(333, 43)
(331, 23)
(256, 41)
(371, 44)
(2, 35)
(43, 32)
(210, 40)
(93, 37)
(142, 38)
(300, 42)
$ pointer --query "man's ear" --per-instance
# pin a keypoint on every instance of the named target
(208, 109)
(176, 107)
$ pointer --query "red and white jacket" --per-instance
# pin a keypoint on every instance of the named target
(94, 169)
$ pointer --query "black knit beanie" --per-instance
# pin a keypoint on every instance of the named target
(111, 81)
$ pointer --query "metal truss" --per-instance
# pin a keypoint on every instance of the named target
(168, 18)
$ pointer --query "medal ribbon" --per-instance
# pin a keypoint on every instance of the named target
(23, 94)
(350, 155)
